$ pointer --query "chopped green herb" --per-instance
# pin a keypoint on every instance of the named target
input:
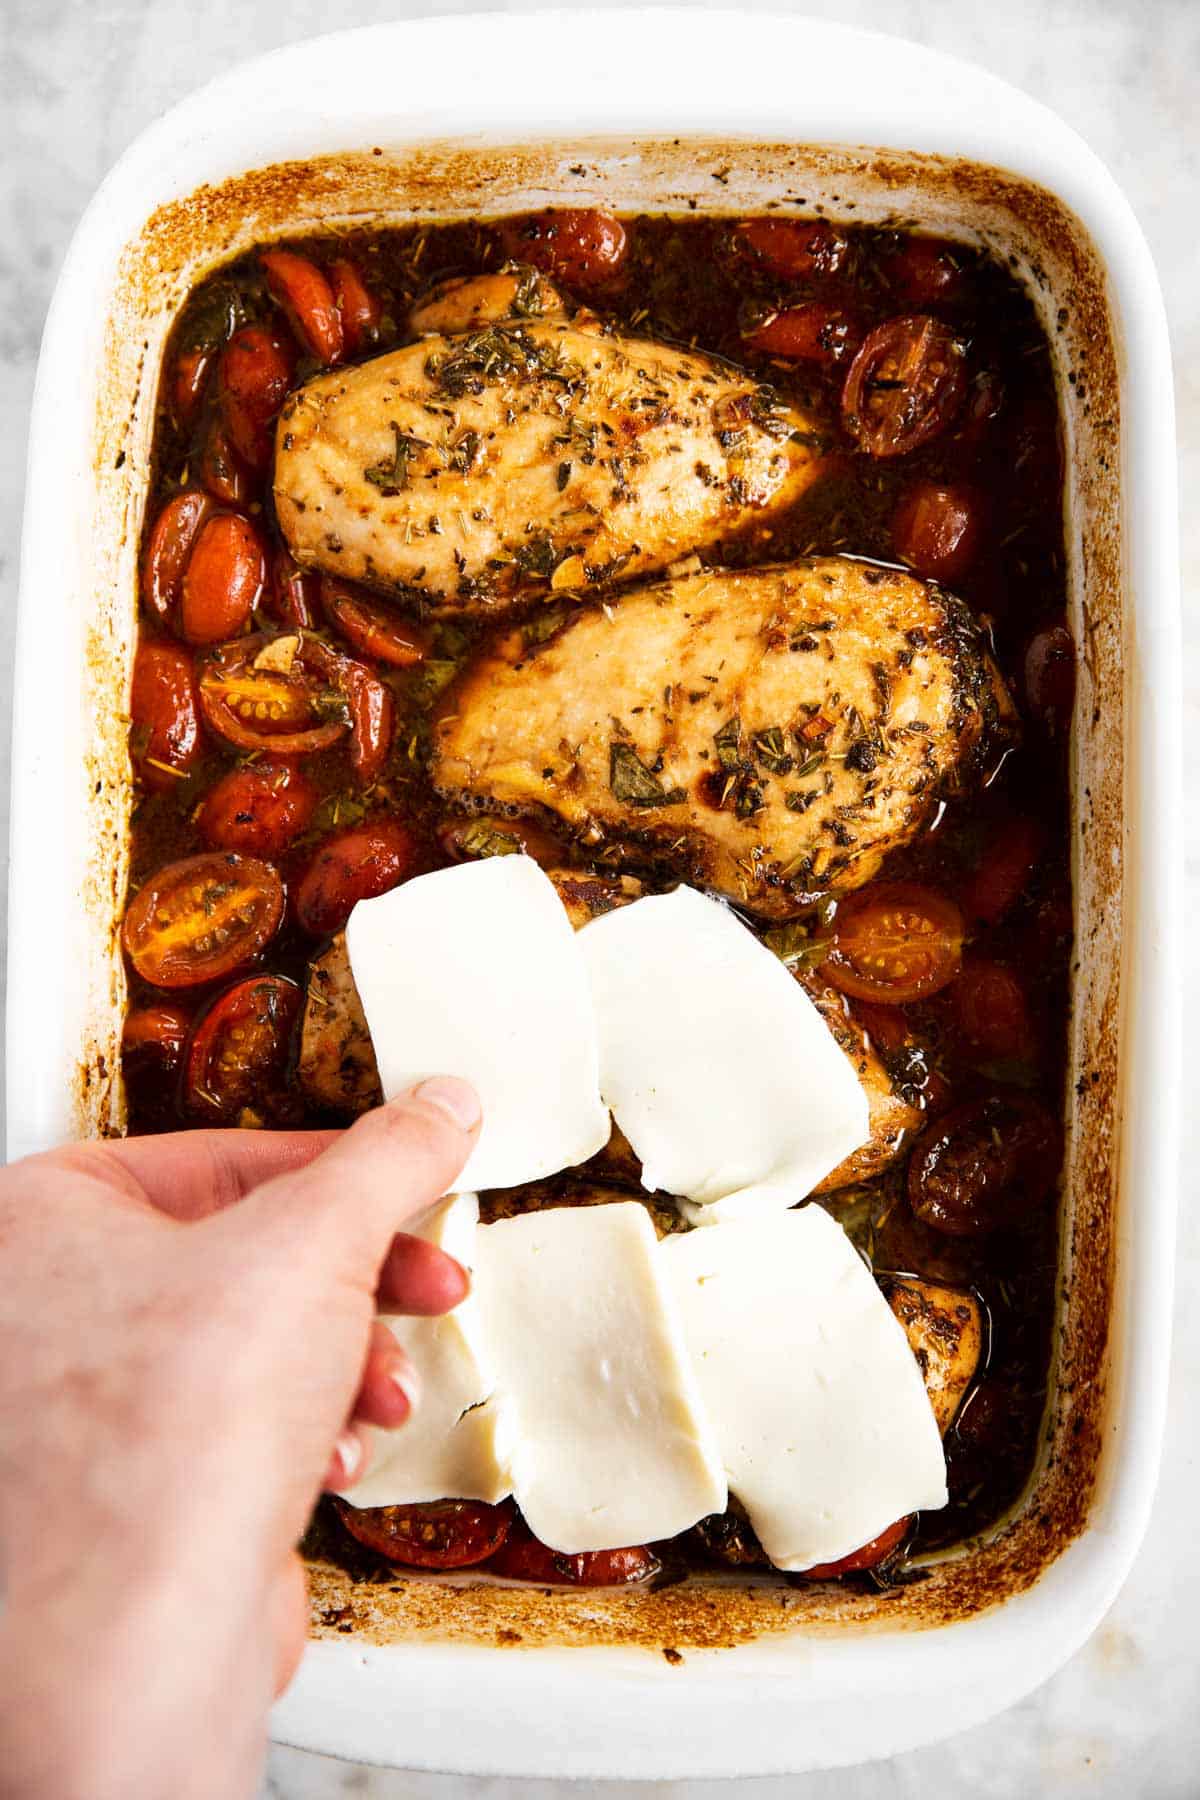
(634, 784)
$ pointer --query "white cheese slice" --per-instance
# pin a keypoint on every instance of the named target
(474, 971)
(611, 1444)
(717, 1066)
(452, 1446)
(817, 1401)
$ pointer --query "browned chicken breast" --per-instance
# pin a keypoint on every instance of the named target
(466, 302)
(893, 1119)
(770, 734)
(944, 1327)
(533, 455)
(337, 1058)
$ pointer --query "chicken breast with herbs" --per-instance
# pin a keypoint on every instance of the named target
(533, 455)
(770, 735)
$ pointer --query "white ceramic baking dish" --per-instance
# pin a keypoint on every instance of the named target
(667, 111)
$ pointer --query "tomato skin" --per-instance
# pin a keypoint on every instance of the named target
(372, 720)
(300, 288)
(1004, 871)
(257, 708)
(222, 472)
(188, 380)
(372, 627)
(525, 1558)
(924, 270)
(355, 864)
(936, 530)
(152, 1044)
(984, 1165)
(442, 1534)
(237, 1055)
(358, 309)
(257, 810)
(202, 918)
(291, 596)
(168, 547)
(810, 333)
(904, 386)
(1050, 678)
(868, 1557)
(795, 248)
(253, 379)
(992, 1011)
(894, 941)
(162, 703)
(225, 579)
(582, 246)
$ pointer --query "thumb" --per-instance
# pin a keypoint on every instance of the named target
(347, 1204)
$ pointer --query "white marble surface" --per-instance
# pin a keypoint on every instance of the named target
(80, 78)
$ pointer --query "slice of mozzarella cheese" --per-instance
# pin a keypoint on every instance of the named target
(453, 1444)
(717, 1066)
(610, 1440)
(817, 1401)
(474, 971)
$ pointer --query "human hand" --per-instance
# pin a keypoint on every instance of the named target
(187, 1344)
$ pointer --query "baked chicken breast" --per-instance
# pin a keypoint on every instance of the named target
(770, 734)
(534, 454)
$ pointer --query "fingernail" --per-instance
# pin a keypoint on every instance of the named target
(457, 1099)
(409, 1384)
(349, 1452)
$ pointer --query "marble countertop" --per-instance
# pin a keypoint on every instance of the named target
(82, 78)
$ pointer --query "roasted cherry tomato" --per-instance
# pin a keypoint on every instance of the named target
(924, 270)
(151, 1056)
(936, 530)
(868, 1557)
(237, 1058)
(291, 596)
(580, 245)
(372, 719)
(795, 248)
(357, 308)
(306, 297)
(894, 941)
(202, 918)
(222, 472)
(188, 380)
(164, 714)
(352, 865)
(525, 1558)
(992, 1011)
(904, 386)
(170, 543)
(257, 810)
(253, 379)
(442, 1534)
(224, 580)
(983, 405)
(1004, 870)
(811, 333)
(984, 1165)
(1050, 677)
(280, 694)
(373, 627)
(886, 1026)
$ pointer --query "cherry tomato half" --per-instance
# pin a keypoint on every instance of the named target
(992, 1011)
(373, 628)
(1004, 871)
(222, 472)
(904, 386)
(936, 530)
(895, 941)
(372, 719)
(924, 270)
(164, 713)
(358, 309)
(257, 810)
(168, 547)
(237, 1057)
(151, 1056)
(809, 333)
(1050, 677)
(580, 245)
(291, 596)
(278, 694)
(795, 248)
(255, 373)
(525, 1558)
(866, 1558)
(442, 1534)
(306, 297)
(202, 918)
(224, 580)
(352, 865)
(188, 380)
(984, 1165)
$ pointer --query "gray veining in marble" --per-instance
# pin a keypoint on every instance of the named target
(79, 80)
